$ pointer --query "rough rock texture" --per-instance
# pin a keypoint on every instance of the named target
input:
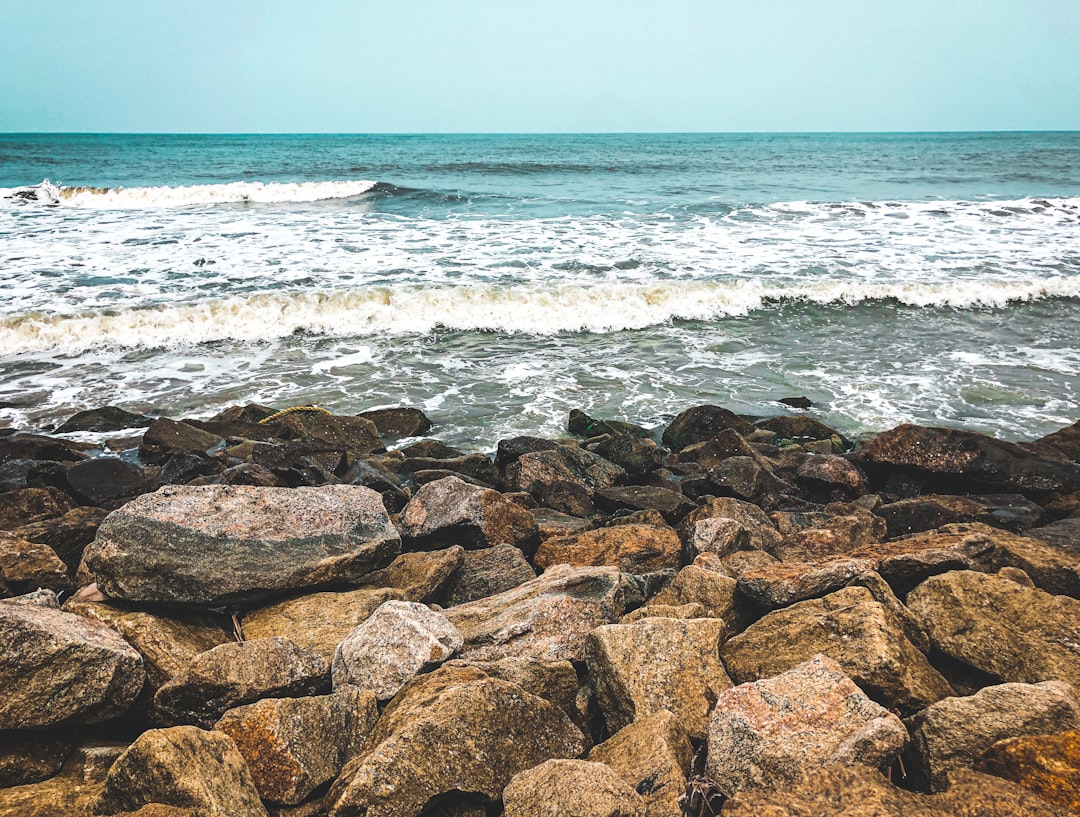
(852, 629)
(631, 548)
(846, 528)
(294, 745)
(397, 642)
(571, 788)
(398, 422)
(1048, 765)
(546, 619)
(26, 505)
(29, 757)
(1010, 511)
(763, 535)
(106, 418)
(713, 591)
(238, 673)
(952, 733)
(799, 427)
(636, 456)
(858, 791)
(452, 512)
(210, 545)
(105, 480)
(26, 566)
(487, 572)
(405, 762)
(765, 734)
(68, 535)
(718, 535)
(318, 621)
(1006, 630)
(827, 473)
(1064, 535)
(554, 681)
(883, 595)
(701, 423)
(1052, 569)
(184, 767)
(655, 664)
(166, 437)
(58, 668)
(671, 504)
(60, 796)
(653, 755)
(420, 576)
(783, 583)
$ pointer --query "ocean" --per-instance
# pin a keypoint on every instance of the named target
(498, 281)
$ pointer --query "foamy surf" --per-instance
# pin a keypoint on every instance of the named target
(136, 198)
(531, 310)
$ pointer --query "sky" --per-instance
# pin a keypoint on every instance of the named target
(496, 66)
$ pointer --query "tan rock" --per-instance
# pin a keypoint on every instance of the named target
(763, 536)
(26, 566)
(783, 583)
(421, 576)
(631, 548)
(1047, 765)
(717, 534)
(487, 572)
(714, 592)
(693, 610)
(32, 756)
(571, 788)
(61, 796)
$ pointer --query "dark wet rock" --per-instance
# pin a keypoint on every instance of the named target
(632, 548)
(184, 767)
(562, 787)
(1047, 765)
(27, 505)
(799, 427)
(435, 449)
(1010, 632)
(473, 466)
(1064, 535)
(797, 402)
(334, 443)
(1009, 511)
(423, 477)
(29, 757)
(763, 535)
(106, 418)
(1065, 440)
(380, 479)
(421, 576)
(487, 572)
(728, 443)
(510, 449)
(844, 530)
(564, 478)
(783, 583)
(766, 733)
(234, 543)
(105, 480)
(59, 668)
(184, 467)
(40, 447)
(26, 566)
(13, 474)
(238, 673)
(854, 630)
(831, 477)
(744, 478)
(251, 414)
(250, 473)
(398, 422)
(954, 732)
(638, 457)
(67, 535)
(701, 423)
(166, 437)
(583, 425)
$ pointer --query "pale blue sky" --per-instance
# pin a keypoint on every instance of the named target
(538, 65)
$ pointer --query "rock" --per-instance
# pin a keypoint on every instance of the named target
(1048, 765)
(745, 478)
(30, 757)
(317, 622)
(294, 745)
(571, 788)
(398, 422)
(372, 476)
(487, 572)
(835, 791)
(652, 755)
(509, 450)
(420, 576)
(1009, 511)
(555, 523)
(797, 402)
(67, 535)
(1010, 632)
(799, 427)
(40, 447)
(554, 681)
(826, 473)
(847, 528)
(952, 733)
(472, 468)
(546, 619)
(450, 511)
(883, 595)
(671, 504)
(106, 418)
(712, 452)
(718, 535)
(632, 548)
(583, 425)
(714, 592)
(431, 448)
(166, 437)
(28, 505)
(26, 566)
(783, 583)
(239, 673)
(657, 663)
(185, 767)
(852, 629)
(971, 462)
(1065, 440)
(212, 545)
(1063, 535)
(332, 440)
(701, 423)
(60, 796)
(636, 456)
(397, 642)
(684, 611)
(563, 478)
(763, 536)
(764, 734)
(405, 762)
(737, 563)
(106, 480)
(1049, 567)
(57, 668)
(249, 473)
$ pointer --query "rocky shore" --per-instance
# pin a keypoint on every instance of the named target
(295, 613)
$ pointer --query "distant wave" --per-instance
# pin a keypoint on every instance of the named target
(527, 309)
(125, 198)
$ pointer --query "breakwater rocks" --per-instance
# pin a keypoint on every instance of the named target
(294, 613)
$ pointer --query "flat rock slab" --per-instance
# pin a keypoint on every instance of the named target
(765, 734)
(558, 788)
(58, 668)
(212, 545)
(1048, 765)
(784, 583)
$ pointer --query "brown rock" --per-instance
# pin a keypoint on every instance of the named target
(41, 447)
(26, 566)
(166, 437)
(571, 788)
(1048, 765)
(28, 505)
(1063, 535)
(106, 418)
(632, 548)
(555, 523)
(554, 681)
(1010, 511)
(701, 423)
(420, 576)
(763, 536)
(68, 535)
(711, 452)
(487, 572)
(60, 796)
(564, 478)
(398, 422)
(718, 535)
(884, 595)
(1052, 569)
(799, 427)
(847, 528)
(714, 592)
(671, 504)
(684, 611)
(783, 583)
(30, 757)
(827, 473)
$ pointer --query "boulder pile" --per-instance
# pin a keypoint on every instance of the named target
(272, 613)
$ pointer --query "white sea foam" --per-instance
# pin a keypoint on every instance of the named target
(532, 309)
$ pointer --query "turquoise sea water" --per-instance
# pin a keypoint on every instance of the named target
(498, 281)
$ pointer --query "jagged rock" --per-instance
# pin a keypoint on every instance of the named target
(294, 745)
(1065, 440)
(166, 437)
(737, 563)
(554, 681)
(564, 478)
(185, 767)
(763, 536)
(826, 473)
(405, 762)
(632, 548)
(334, 441)
(1050, 568)
(684, 611)
(28, 505)
(714, 592)
(450, 511)
(30, 757)
(397, 642)
(655, 664)
(546, 619)
(487, 572)
(745, 478)
(435, 449)
(847, 528)
(40, 447)
(250, 473)
(398, 422)
(377, 478)
(238, 673)
(1009, 511)
(106, 418)
(26, 566)
(106, 480)
(218, 544)
(318, 621)
(764, 734)
(718, 535)
(1063, 535)
(852, 629)
(652, 754)
(837, 791)
(783, 583)
(671, 504)
(583, 425)
(58, 668)
(884, 595)
(636, 456)
(510, 449)
(701, 423)
(952, 733)
(420, 576)
(560, 788)
(67, 535)
(1048, 765)
(471, 467)
(800, 427)
(1009, 632)
(555, 523)
(60, 796)
(711, 452)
